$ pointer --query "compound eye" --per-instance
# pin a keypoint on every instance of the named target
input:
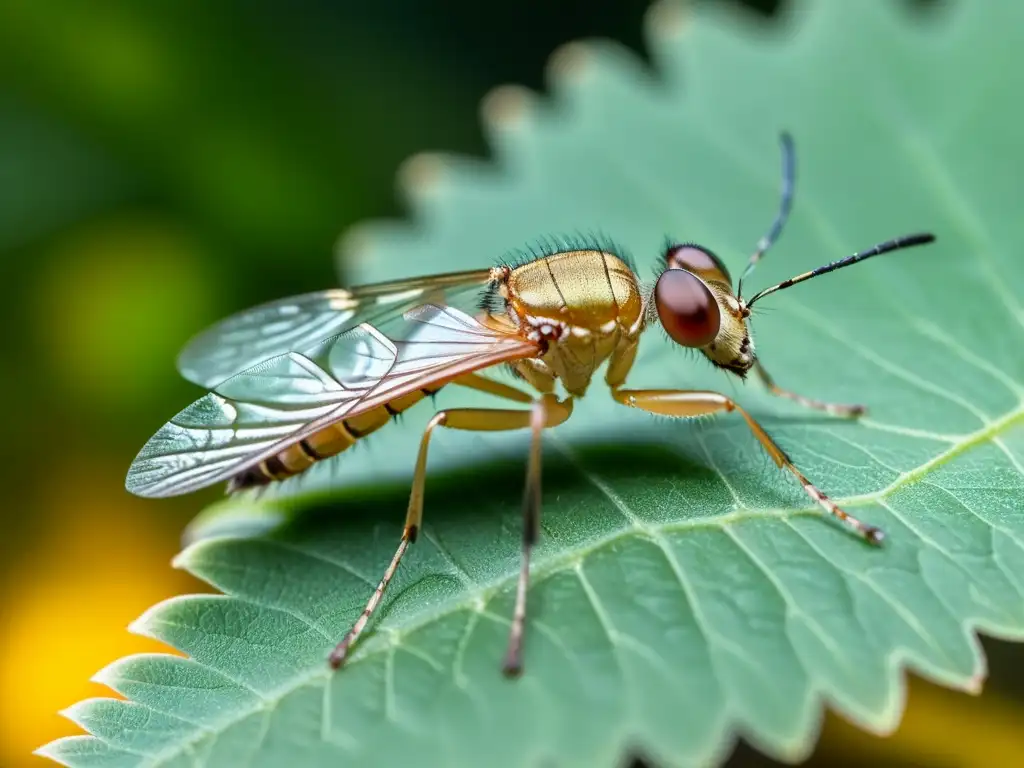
(695, 259)
(688, 311)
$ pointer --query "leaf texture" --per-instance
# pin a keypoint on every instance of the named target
(684, 594)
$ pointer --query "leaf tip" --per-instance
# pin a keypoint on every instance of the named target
(49, 751)
(421, 174)
(113, 673)
(110, 675)
(181, 560)
(230, 519)
(75, 713)
(354, 246)
(190, 558)
(668, 19)
(145, 625)
(570, 62)
(506, 106)
(975, 683)
(58, 748)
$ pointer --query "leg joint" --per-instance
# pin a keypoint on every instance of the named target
(438, 420)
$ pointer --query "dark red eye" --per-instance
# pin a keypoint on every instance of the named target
(688, 311)
(695, 259)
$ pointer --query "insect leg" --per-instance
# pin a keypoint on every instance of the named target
(687, 404)
(492, 387)
(818, 405)
(472, 419)
(340, 652)
(513, 665)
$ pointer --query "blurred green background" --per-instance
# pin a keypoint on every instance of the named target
(163, 164)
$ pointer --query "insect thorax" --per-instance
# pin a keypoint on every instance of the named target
(586, 305)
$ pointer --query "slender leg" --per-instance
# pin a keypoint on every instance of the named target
(492, 387)
(832, 408)
(683, 404)
(553, 411)
(513, 666)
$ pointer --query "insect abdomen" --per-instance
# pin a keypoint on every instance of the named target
(328, 442)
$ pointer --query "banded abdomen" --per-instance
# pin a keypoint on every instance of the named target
(328, 442)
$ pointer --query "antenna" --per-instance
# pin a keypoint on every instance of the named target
(785, 205)
(896, 244)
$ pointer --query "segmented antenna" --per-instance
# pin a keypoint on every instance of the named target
(896, 244)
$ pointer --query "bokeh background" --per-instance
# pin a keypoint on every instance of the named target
(163, 164)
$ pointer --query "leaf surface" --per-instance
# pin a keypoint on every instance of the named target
(684, 593)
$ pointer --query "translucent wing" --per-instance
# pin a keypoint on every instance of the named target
(287, 325)
(257, 413)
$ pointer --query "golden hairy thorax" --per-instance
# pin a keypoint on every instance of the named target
(586, 304)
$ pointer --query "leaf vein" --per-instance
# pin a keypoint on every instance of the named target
(318, 557)
(794, 610)
(906, 614)
(463, 575)
(895, 369)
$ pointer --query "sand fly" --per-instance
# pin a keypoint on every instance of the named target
(302, 379)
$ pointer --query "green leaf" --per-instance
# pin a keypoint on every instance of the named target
(684, 593)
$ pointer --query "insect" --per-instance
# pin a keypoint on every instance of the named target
(302, 379)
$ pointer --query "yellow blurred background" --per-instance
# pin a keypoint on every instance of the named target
(163, 164)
